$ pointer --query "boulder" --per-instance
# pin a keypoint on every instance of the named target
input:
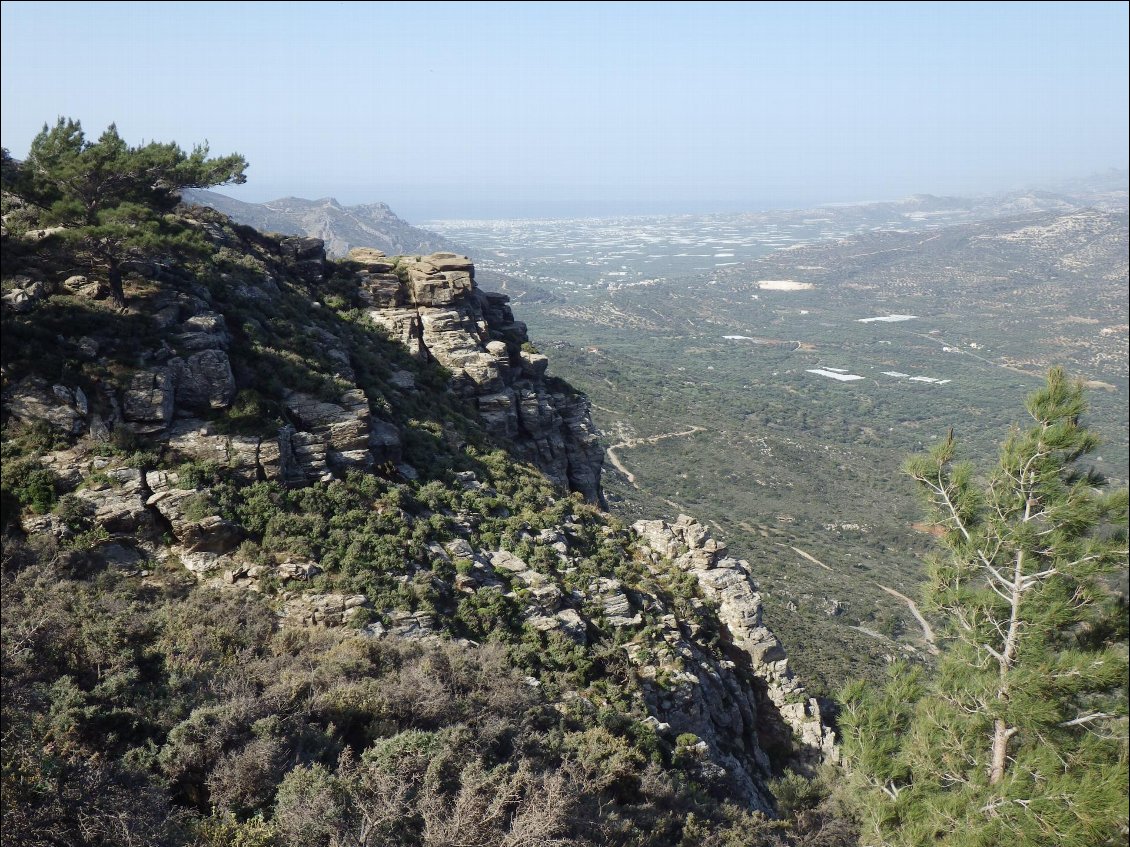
(307, 256)
(568, 622)
(116, 498)
(150, 397)
(203, 381)
(614, 602)
(23, 292)
(301, 570)
(181, 507)
(533, 364)
(450, 262)
(32, 400)
(434, 286)
(507, 561)
(302, 248)
(420, 626)
(204, 331)
(81, 286)
(325, 610)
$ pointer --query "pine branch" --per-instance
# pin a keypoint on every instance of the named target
(1088, 718)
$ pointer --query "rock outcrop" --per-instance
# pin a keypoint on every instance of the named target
(32, 400)
(729, 583)
(432, 306)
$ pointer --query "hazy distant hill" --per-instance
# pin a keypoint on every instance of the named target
(341, 227)
(1106, 192)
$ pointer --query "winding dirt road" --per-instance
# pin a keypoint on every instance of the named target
(636, 442)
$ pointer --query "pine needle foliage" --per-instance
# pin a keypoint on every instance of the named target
(111, 200)
(1019, 735)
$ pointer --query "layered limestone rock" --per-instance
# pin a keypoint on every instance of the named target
(326, 610)
(690, 691)
(116, 499)
(187, 511)
(432, 306)
(345, 427)
(32, 400)
(729, 583)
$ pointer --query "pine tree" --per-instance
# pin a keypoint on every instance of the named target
(1019, 735)
(110, 199)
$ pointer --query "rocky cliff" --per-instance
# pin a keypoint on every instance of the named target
(432, 305)
(729, 583)
(373, 446)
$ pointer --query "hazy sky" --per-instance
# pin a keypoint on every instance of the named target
(484, 109)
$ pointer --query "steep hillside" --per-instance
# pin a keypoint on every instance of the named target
(341, 227)
(290, 555)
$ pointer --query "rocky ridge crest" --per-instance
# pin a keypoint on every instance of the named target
(729, 583)
(432, 305)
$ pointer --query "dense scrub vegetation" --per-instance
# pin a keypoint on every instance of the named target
(140, 713)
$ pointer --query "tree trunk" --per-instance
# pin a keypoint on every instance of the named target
(116, 290)
(1001, 734)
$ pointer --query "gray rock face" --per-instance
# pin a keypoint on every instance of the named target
(32, 400)
(729, 583)
(118, 503)
(303, 457)
(150, 397)
(248, 457)
(691, 691)
(308, 256)
(402, 325)
(345, 427)
(204, 380)
(180, 507)
(440, 313)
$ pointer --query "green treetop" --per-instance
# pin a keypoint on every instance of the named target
(111, 199)
(1019, 735)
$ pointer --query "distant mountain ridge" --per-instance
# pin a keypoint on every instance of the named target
(341, 227)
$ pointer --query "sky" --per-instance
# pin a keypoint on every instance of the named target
(462, 110)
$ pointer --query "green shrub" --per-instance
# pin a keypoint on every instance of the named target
(74, 512)
(34, 486)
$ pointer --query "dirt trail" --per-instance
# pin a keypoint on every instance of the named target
(927, 630)
(810, 558)
(636, 442)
